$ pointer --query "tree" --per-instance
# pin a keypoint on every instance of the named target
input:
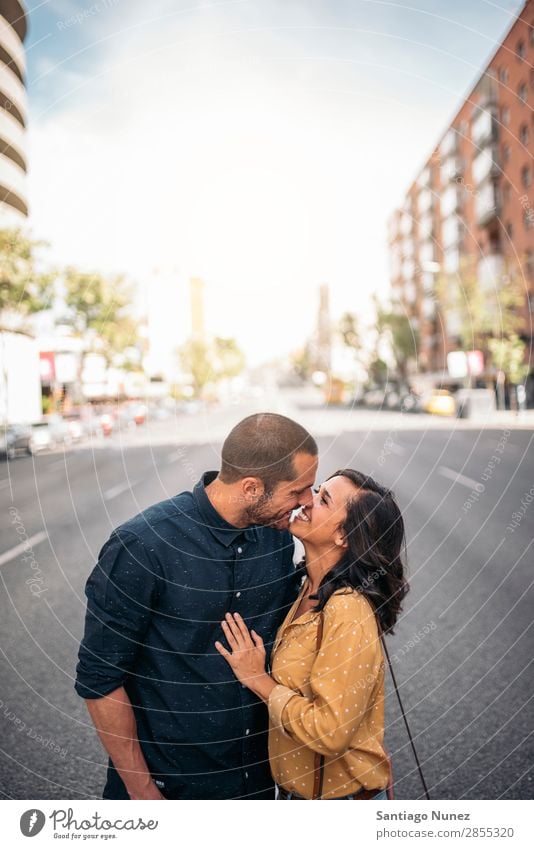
(211, 363)
(101, 304)
(23, 289)
(196, 360)
(402, 336)
(350, 332)
(229, 359)
(489, 317)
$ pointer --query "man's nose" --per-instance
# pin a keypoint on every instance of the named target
(306, 498)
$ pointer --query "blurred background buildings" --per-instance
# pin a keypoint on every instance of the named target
(462, 242)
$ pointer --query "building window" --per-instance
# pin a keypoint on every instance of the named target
(503, 76)
(509, 229)
(523, 134)
(532, 78)
(505, 152)
(520, 50)
(506, 193)
(505, 116)
(526, 177)
(522, 93)
(529, 267)
(530, 298)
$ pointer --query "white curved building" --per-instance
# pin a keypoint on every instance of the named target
(13, 114)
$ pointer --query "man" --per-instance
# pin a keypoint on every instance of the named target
(175, 722)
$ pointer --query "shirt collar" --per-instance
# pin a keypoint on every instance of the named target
(222, 530)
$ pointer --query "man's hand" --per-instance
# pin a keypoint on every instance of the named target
(149, 790)
(114, 720)
(247, 657)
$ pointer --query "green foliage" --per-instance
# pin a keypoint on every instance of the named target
(508, 355)
(101, 304)
(23, 289)
(350, 332)
(403, 337)
(489, 317)
(229, 359)
(211, 363)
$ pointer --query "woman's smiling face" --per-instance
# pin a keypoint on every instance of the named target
(321, 524)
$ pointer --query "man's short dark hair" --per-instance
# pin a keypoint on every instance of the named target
(264, 446)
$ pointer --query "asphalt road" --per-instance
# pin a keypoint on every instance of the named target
(462, 652)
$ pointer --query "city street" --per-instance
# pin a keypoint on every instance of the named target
(462, 652)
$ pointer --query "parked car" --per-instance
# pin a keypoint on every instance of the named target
(75, 425)
(15, 439)
(439, 402)
(475, 402)
(59, 429)
(42, 437)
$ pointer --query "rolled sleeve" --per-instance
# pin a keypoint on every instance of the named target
(278, 699)
(120, 599)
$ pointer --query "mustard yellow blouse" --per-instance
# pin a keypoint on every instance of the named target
(330, 702)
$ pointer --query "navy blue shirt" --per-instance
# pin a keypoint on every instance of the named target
(155, 601)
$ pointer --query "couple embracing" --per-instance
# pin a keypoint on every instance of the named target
(212, 667)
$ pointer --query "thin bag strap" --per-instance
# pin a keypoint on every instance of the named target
(319, 759)
(393, 678)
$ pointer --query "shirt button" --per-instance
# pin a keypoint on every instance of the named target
(247, 730)
(237, 595)
(246, 775)
(239, 550)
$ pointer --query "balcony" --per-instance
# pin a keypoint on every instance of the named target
(449, 144)
(487, 205)
(484, 128)
(427, 253)
(485, 165)
(487, 90)
(425, 226)
(451, 169)
(12, 44)
(451, 232)
(424, 178)
(408, 269)
(451, 201)
(408, 248)
(406, 223)
(425, 201)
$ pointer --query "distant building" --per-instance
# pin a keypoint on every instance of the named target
(196, 292)
(473, 200)
(13, 114)
(324, 331)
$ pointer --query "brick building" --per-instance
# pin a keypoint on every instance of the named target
(470, 209)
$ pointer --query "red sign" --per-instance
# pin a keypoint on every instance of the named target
(47, 366)
(475, 363)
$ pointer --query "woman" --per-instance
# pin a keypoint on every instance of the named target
(325, 693)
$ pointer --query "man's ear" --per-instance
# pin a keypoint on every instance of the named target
(252, 489)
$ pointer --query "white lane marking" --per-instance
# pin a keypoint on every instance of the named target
(458, 478)
(119, 489)
(176, 455)
(22, 547)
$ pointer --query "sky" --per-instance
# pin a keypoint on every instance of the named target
(258, 144)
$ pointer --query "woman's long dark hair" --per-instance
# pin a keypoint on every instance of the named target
(372, 564)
